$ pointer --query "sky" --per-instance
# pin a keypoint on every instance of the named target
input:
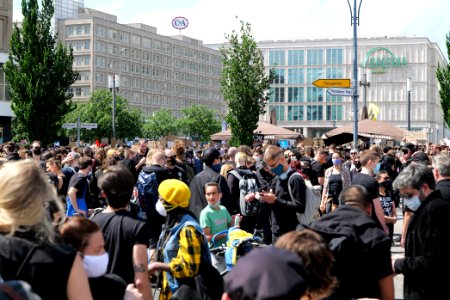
(210, 20)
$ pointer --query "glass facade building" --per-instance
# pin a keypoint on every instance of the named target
(65, 9)
(310, 110)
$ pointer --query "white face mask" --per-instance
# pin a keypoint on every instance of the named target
(95, 265)
(413, 203)
(161, 209)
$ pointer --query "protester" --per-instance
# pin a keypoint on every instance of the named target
(317, 258)
(28, 250)
(441, 172)
(126, 239)
(361, 250)
(78, 194)
(210, 173)
(284, 207)
(183, 246)
(85, 236)
(427, 243)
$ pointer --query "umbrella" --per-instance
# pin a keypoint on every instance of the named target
(366, 128)
(268, 130)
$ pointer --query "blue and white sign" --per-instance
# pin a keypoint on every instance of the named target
(180, 23)
(340, 91)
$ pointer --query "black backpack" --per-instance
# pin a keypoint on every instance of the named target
(247, 185)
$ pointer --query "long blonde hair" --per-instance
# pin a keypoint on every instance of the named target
(24, 193)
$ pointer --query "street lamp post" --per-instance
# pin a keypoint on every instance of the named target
(114, 84)
(408, 90)
(355, 22)
(365, 83)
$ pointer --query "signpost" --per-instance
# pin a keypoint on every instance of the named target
(332, 83)
(340, 92)
(79, 125)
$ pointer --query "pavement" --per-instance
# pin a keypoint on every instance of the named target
(398, 250)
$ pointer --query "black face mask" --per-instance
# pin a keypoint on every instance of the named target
(358, 164)
(171, 160)
(383, 184)
(37, 151)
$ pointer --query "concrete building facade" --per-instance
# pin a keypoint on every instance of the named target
(384, 66)
(155, 71)
(6, 24)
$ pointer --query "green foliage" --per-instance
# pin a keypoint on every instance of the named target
(199, 122)
(443, 76)
(98, 110)
(244, 83)
(160, 125)
(39, 72)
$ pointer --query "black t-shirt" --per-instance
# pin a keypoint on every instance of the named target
(108, 286)
(80, 182)
(121, 233)
(371, 186)
(317, 170)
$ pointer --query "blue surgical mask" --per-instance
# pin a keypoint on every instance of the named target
(413, 203)
(377, 168)
(336, 161)
(278, 170)
(217, 167)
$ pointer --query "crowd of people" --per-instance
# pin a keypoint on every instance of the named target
(113, 222)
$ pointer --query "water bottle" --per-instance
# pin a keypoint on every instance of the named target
(237, 221)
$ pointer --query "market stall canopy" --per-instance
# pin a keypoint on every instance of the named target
(366, 128)
(268, 130)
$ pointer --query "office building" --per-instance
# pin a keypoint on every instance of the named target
(384, 66)
(155, 71)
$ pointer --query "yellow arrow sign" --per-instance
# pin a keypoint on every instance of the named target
(331, 83)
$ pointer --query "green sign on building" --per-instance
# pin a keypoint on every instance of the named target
(380, 59)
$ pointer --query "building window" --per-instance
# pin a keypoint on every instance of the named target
(315, 57)
(278, 76)
(296, 76)
(313, 74)
(136, 40)
(334, 112)
(295, 94)
(146, 43)
(335, 72)
(314, 113)
(296, 57)
(277, 94)
(314, 94)
(276, 58)
(279, 110)
(295, 113)
(334, 57)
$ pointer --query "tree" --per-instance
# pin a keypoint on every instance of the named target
(244, 83)
(199, 122)
(443, 76)
(39, 72)
(160, 125)
(129, 121)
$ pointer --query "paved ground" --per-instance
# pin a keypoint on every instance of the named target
(398, 250)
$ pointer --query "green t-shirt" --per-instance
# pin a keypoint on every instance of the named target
(215, 220)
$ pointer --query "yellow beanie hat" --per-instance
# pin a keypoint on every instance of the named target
(175, 192)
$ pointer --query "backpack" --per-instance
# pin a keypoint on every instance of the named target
(145, 194)
(313, 197)
(247, 185)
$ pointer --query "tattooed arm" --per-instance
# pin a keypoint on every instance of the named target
(140, 270)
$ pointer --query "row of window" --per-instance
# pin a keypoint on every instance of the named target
(147, 43)
(140, 68)
(297, 75)
(74, 30)
(297, 57)
(313, 112)
(297, 94)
